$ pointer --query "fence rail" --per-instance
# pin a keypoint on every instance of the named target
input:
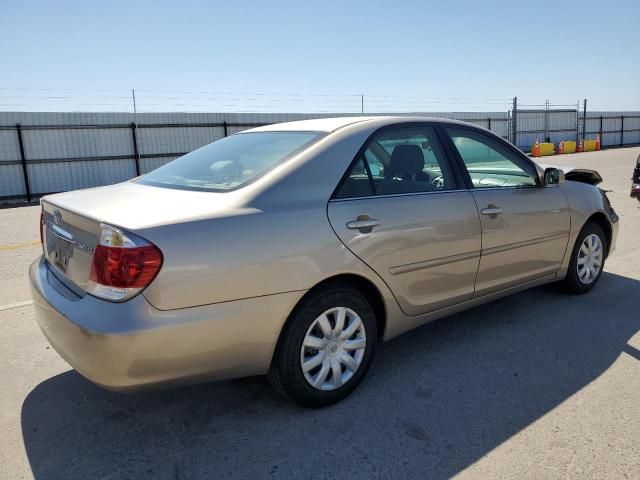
(42, 153)
(135, 154)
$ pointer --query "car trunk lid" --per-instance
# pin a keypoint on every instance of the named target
(72, 220)
(69, 241)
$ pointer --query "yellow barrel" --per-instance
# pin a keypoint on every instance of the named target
(569, 147)
(546, 149)
(589, 145)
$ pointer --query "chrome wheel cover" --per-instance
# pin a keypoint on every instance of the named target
(333, 348)
(590, 259)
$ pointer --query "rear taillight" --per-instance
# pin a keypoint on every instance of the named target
(123, 265)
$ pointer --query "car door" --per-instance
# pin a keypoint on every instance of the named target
(525, 225)
(399, 208)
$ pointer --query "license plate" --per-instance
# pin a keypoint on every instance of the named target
(59, 249)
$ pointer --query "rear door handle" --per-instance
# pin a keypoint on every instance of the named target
(491, 210)
(364, 223)
(358, 224)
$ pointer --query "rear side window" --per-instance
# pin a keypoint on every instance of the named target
(400, 160)
(231, 162)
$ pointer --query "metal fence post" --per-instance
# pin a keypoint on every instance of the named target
(226, 128)
(621, 130)
(578, 122)
(514, 121)
(546, 121)
(584, 119)
(601, 130)
(136, 154)
(23, 161)
(488, 123)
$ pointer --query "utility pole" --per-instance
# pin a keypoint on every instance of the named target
(362, 104)
(133, 95)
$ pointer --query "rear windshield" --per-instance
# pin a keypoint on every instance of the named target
(231, 162)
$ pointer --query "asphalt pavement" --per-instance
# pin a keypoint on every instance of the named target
(539, 385)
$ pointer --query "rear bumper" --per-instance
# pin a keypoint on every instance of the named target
(130, 345)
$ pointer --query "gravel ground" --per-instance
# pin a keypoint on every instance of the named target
(538, 385)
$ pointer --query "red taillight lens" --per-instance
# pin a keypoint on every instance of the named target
(123, 265)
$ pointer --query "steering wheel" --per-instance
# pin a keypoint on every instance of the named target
(438, 182)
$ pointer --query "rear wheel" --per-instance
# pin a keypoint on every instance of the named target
(326, 347)
(587, 260)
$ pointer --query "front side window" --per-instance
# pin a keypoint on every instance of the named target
(231, 162)
(489, 163)
(401, 160)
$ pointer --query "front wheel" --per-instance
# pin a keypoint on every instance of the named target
(325, 348)
(587, 260)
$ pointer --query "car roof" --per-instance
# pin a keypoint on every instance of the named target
(312, 125)
(335, 123)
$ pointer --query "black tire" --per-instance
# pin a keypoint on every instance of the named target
(572, 283)
(286, 373)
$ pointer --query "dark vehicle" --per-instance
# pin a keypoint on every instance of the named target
(635, 181)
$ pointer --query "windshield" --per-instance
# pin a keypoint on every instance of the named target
(231, 162)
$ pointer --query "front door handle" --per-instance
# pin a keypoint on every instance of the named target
(364, 223)
(491, 210)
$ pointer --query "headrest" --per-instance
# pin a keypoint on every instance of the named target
(406, 160)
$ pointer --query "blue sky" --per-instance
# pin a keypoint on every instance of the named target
(402, 55)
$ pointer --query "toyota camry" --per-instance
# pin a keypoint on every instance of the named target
(293, 249)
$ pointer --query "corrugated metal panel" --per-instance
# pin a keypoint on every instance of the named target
(537, 125)
(176, 139)
(562, 126)
(64, 118)
(530, 126)
(611, 124)
(609, 139)
(92, 142)
(592, 126)
(58, 177)
(58, 143)
(151, 163)
(631, 138)
(632, 122)
(11, 180)
(9, 148)
(632, 130)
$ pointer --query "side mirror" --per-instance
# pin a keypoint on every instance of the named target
(553, 176)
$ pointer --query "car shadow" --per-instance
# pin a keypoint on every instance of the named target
(435, 401)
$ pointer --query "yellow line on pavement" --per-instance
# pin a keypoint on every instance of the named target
(19, 245)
